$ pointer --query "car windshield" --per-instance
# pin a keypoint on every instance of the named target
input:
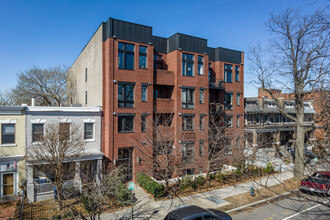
(321, 176)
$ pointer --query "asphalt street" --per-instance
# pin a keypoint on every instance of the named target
(292, 208)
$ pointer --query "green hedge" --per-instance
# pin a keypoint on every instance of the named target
(150, 185)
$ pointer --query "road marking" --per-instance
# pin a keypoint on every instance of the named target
(303, 211)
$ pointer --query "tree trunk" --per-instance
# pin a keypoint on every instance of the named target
(299, 148)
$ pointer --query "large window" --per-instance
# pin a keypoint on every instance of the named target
(125, 56)
(144, 93)
(158, 61)
(237, 73)
(64, 131)
(37, 132)
(228, 101)
(88, 131)
(187, 98)
(8, 134)
(125, 95)
(228, 73)
(187, 64)
(237, 124)
(188, 152)
(125, 123)
(201, 96)
(188, 122)
(143, 57)
(200, 65)
(86, 75)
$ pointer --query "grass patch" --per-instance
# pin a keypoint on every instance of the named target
(260, 194)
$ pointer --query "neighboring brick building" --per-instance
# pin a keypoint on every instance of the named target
(134, 75)
(320, 102)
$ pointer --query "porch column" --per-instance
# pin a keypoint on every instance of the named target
(30, 185)
(77, 178)
(98, 171)
(254, 144)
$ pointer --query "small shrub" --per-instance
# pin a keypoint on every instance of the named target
(69, 191)
(150, 185)
(186, 182)
(200, 180)
(219, 177)
(269, 169)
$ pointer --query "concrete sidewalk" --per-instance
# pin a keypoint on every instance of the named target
(147, 208)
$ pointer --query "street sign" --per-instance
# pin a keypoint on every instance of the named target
(131, 186)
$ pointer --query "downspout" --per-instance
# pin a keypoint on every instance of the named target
(113, 99)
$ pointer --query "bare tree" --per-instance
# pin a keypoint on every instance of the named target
(5, 99)
(61, 144)
(47, 85)
(218, 142)
(300, 51)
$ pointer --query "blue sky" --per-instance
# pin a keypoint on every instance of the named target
(47, 33)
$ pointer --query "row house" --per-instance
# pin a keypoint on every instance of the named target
(40, 185)
(12, 150)
(22, 127)
(139, 78)
(266, 127)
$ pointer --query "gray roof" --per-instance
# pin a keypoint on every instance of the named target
(273, 109)
(10, 110)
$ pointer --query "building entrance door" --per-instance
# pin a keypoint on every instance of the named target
(125, 161)
(8, 184)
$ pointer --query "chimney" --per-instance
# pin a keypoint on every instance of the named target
(33, 102)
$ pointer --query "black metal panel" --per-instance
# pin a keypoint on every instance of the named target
(127, 31)
(173, 43)
(160, 44)
(227, 55)
(211, 53)
(187, 43)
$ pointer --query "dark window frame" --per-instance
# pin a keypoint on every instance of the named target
(123, 121)
(228, 71)
(158, 63)
(201, 148)
(144, 119)
(229, 106)
(188, 149)
(186, 61)
(144, 91)
(86, 131)
(145, 55)
(11, 134)
(200, 70)
(201, 95)
(126, 52)
(238, 99)
(37, 136)
(188, 104)
(237, 70)
(186, 125)
(85, 74)
(126, 103)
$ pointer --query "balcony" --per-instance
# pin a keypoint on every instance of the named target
(218, 85)
(164, 105)
(164, 77)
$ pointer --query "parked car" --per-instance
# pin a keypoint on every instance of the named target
(319, 183)
(196, 213)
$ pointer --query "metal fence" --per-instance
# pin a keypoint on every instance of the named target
(44, 187)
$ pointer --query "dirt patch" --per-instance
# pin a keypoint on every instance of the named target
(7, 210)
(260, 194)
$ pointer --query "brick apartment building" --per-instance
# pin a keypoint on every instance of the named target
(135, 75)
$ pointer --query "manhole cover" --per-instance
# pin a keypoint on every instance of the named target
(215, 200)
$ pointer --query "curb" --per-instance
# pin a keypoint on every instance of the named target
(260, 202)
